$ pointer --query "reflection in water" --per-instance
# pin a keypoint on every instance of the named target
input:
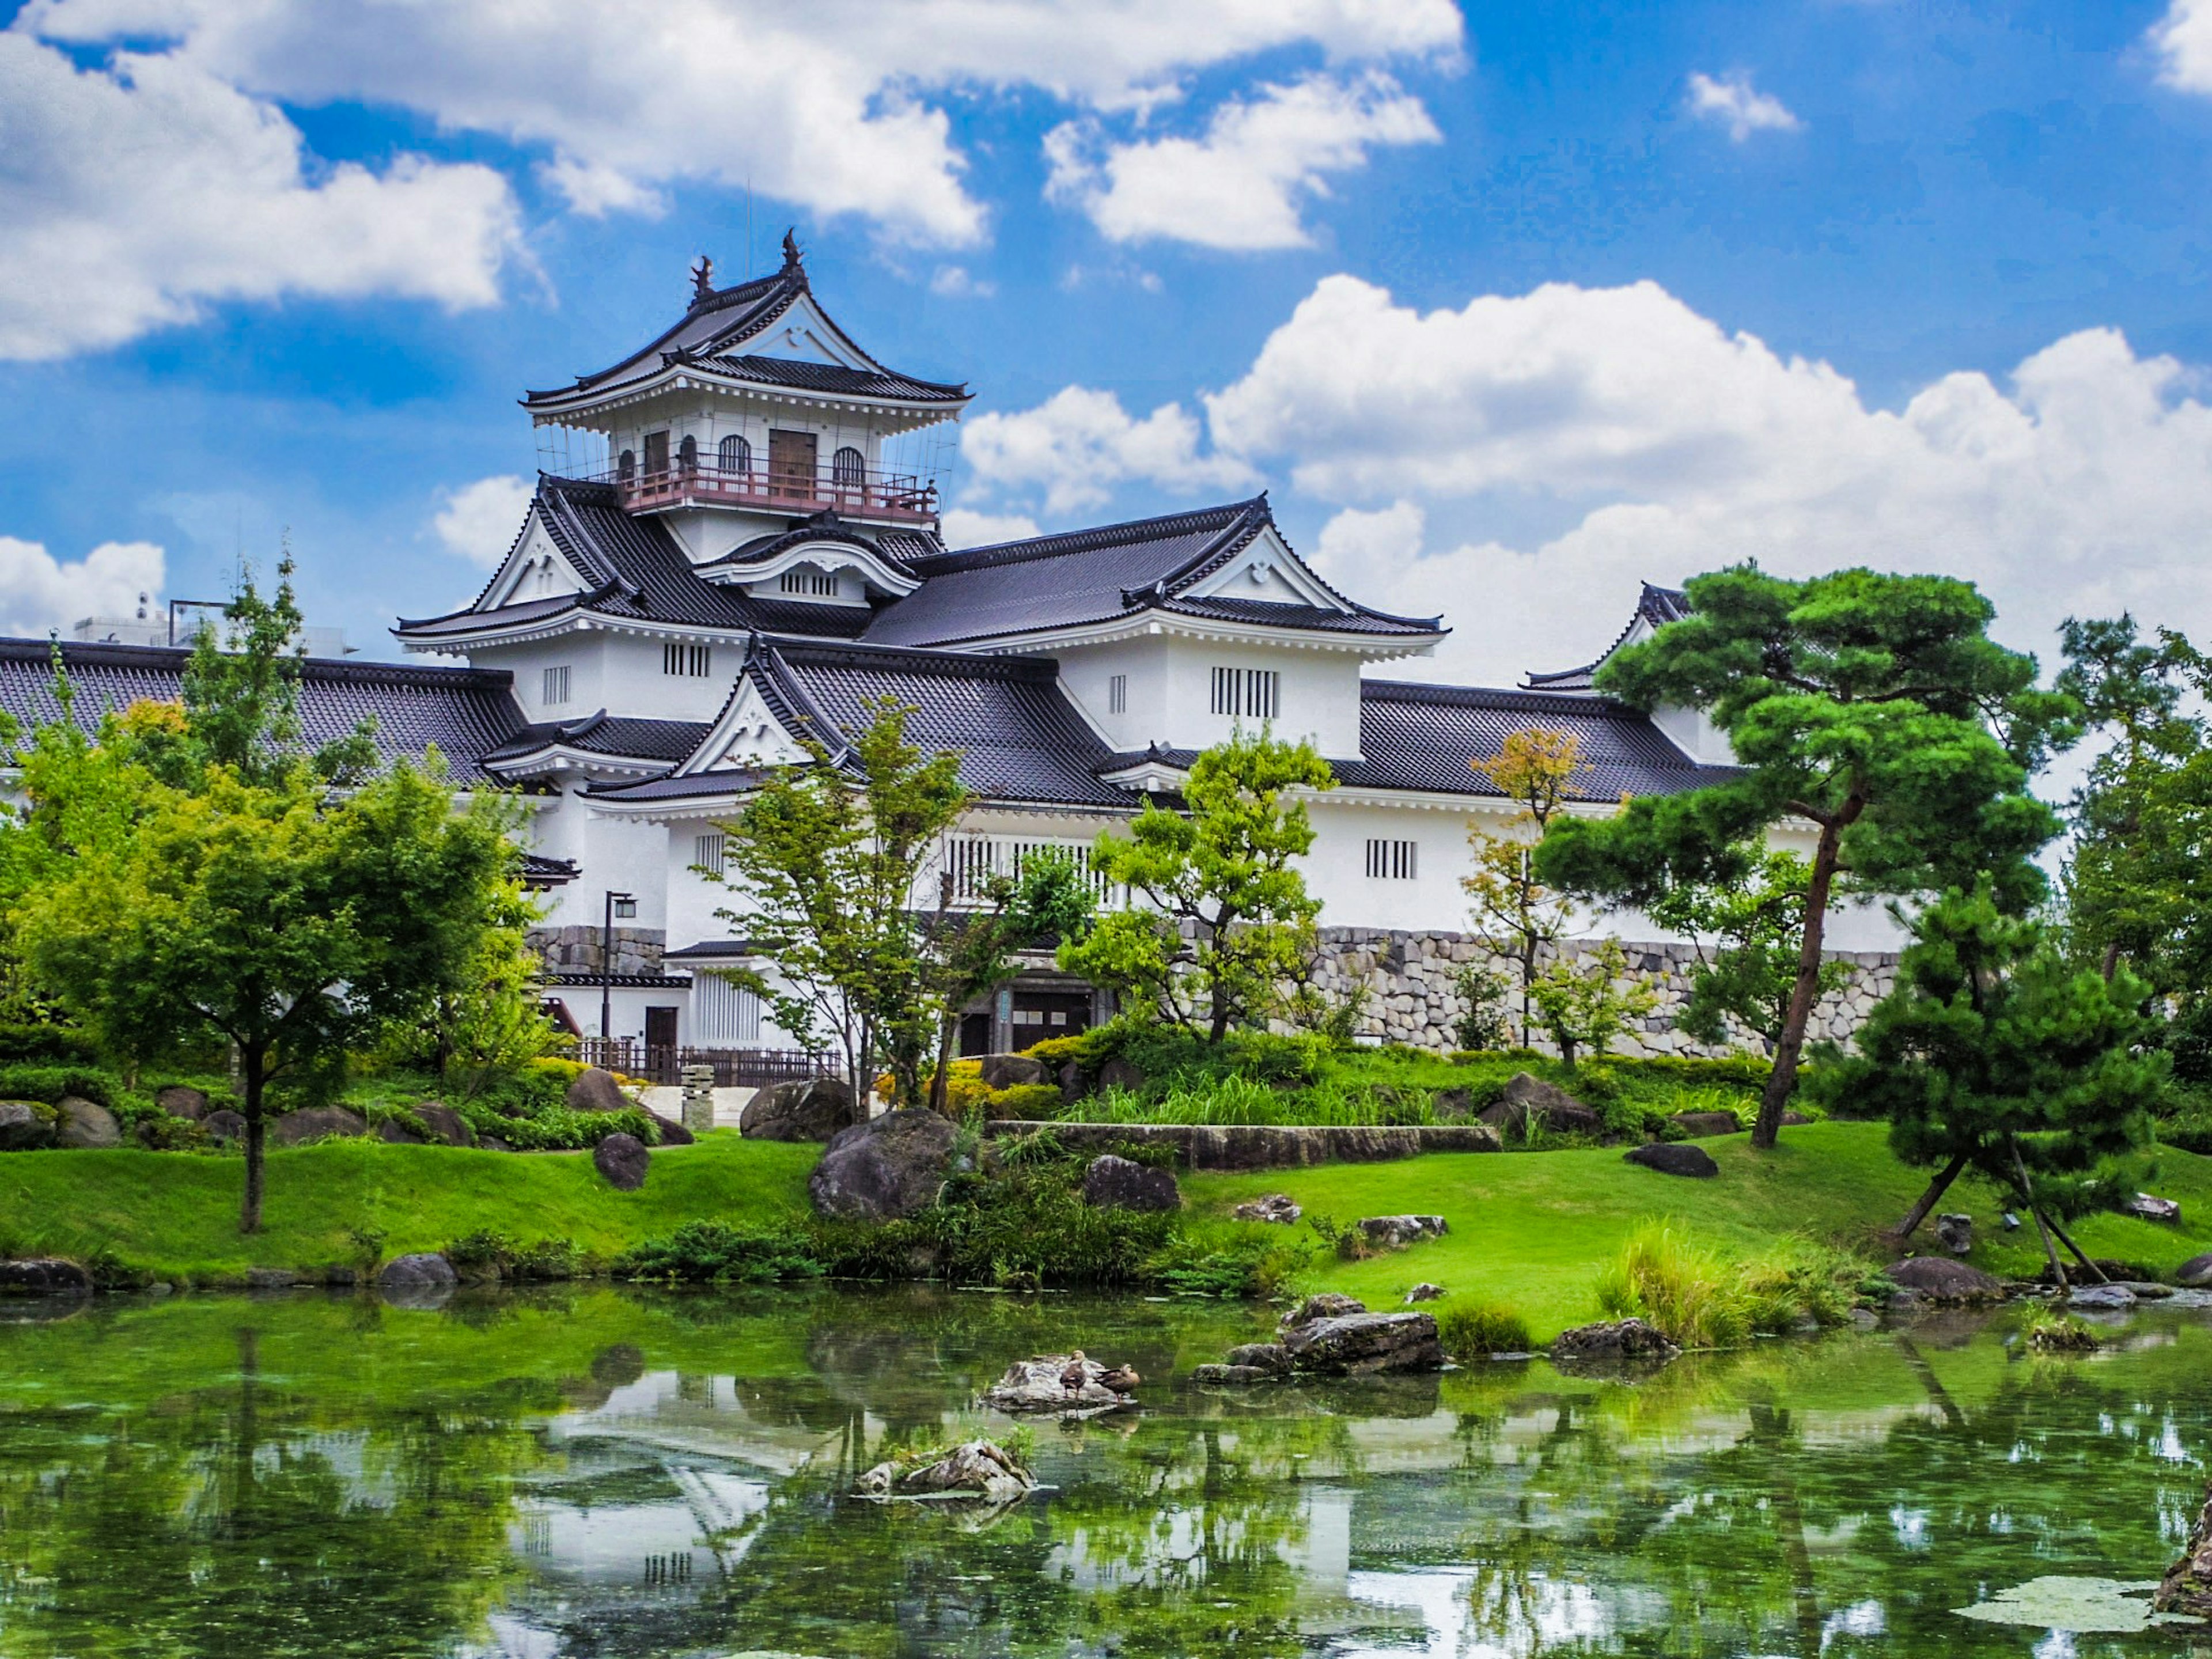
(595, 1472)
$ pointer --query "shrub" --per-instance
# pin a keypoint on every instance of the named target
(1484, 1023)
(160, 1133)
(713, 1252)
(2051, 1330)
(1703, 1298)
(486, 1254)
(1023, 1100)
(1232, 1267)
(50, 1083)
(46, 1045)
(1474, 1330)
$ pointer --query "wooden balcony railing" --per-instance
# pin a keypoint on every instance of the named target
(897, 496)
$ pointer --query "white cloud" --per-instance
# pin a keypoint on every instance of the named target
(821, 103)
(479, 521)
(1243, 184)
(964, 527)
(1733, 102)
(1079, 446)
(39, 593)
(2184, 40)
(956, 282)
(135, 195)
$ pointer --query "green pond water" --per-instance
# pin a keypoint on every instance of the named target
(598, 1473)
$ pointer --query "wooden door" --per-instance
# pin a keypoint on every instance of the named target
(656, 454)
(660, 1028)
(790, 462)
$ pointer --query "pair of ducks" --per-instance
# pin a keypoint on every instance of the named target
(1122, 1379)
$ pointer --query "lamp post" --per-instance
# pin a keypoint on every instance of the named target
(625, 905)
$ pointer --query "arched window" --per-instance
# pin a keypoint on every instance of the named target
(626, 468)
(848, 469)
(687, 455)
(735, 454)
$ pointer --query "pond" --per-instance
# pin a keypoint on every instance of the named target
(602, 1472)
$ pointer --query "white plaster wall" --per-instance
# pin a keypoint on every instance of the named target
(691, 899)
(1171, 690)
(631, 681)
(1336, 869)
(1086, 673)
(623, 855)
(1692, 731)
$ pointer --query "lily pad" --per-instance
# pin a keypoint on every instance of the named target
(2081, 1606)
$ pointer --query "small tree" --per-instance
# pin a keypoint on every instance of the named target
(1586, 1005)
(1515, 915)
(1874, 708)
(1747, 936)
(1221, 872)
(1993, 1055)
(825, 863)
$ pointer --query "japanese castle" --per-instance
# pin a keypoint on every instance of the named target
(745, 571)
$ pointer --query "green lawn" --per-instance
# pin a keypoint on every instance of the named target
(1532, 1229)
(176, 1215)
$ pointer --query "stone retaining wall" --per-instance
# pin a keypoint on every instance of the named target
(576, 950)
(1412, 998)
(1262, 1146)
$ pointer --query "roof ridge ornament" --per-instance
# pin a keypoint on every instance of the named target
(792, 254)
(702, 280)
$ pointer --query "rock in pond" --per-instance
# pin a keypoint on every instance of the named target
(1275, 1207)
(1528, 1099)
(1395, 1232)
(2150, 1207)
(1362, 1344)
(25, 1125)
(1325, 1304)
(44, 1275)
(1067, 1384)
(2112, 1299)
(623, 1160)
(973, 1469)
(313, 1124)
(1940, 1280)
(884, 1170)
(1698, 1125)
(1232, 1376)
(179, 1100)
(422, 1280)
(1117, 1183)
(1675, 1157)
(805, 1108)
(80, 1122)
(2196, 1273)
(1955, 1233)
(594, 1090)
(2187, 1587)
(1612, 1340)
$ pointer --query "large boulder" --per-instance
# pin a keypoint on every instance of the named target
(1324, 1304)
(25, 1125)
(398, 1133)
(1452, 1105)
(805, 1108)
(181, 1100)
(2196, 1273)
(444, 1124)
(1119, 1073)
(1698, 1124)
(1007, 1071)
(1042, 1384)
(1395, 1232)
(1675, 1157)
(975, 1469)
(44, 1275)
(81, 1122)
(884, 1170)
(311, 1123)
(1116, 1184)
(2112, 1298)
(1362, 1344)
(1941, 1279)
(1528, 1099)
(621, 1160)
(2187, 1587)
(596, 1091)
(1610, 1340)
(422, 1280)
(673, 1134)
(224, 1125)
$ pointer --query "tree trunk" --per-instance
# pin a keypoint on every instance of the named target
(1928, 1200)
(2028, 1197)
(947, 1028)
(1783, 1082)
(2102, 1277)
(249, 1214)
(2111, 964)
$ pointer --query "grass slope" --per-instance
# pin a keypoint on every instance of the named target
(1531, 1229)
(177, 1216)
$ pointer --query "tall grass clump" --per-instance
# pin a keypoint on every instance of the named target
(1475, 1330)
(1705, 1298)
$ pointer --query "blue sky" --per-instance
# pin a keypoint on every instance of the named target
(1509, 307)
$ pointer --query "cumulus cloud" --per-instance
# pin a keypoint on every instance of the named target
(1079, 446)
(2182, 39)
(1731, 101)
(957, 282)
(39, 593)
(823, 103)
(479, 520)
(137, 193)
(964, 527)
(1243, 182)
(1651, 444)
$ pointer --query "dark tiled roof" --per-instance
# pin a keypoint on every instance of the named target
(713, 323)
(1424, 736)
(601, 734)
(467, 713)
(636, 569)
(821, 527)
(1098, 575)
(836, 379)
(540, 871)
(1657, 605)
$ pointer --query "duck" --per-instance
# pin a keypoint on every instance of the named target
(1076, 1374)
(1122, 1379)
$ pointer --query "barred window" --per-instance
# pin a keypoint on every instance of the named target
(723, 1014)
(735, 454)
(706, 852)
(1247, 693)
(819, 584)
(557, 685)
(1117, 695)
(691, 661)
(1391, 860)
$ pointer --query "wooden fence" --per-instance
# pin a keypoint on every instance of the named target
(734, 1069)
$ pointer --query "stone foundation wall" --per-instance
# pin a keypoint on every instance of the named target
(1411, 997)
(577, 949)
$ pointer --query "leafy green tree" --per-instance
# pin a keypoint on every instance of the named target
(1516, 913)
(1875, 708)
(1586, 1004)
(824, 865)
(291, 925)
(1748, 936)
(1995, 1056)
(1227, 918)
